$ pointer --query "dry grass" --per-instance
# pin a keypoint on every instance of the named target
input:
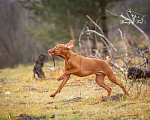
(30, 96)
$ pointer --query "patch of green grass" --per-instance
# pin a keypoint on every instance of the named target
(19, 71)
(43, 116)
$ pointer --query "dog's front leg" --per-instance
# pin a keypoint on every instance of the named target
(68, 72)
(65, 79)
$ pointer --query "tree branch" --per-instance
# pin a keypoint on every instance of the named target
(130, 21)
(80, 36)
(101, 35)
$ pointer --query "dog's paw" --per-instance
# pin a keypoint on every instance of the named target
(60, 78)
(52, 95)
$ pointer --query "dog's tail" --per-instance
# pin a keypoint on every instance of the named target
(108, 59)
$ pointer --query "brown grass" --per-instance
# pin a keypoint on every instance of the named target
(79, 99)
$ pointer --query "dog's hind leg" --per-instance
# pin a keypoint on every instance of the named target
(100, 81)
(113, 79)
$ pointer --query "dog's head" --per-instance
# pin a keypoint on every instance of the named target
(61, 49)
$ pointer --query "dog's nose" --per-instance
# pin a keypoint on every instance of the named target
(49, 51)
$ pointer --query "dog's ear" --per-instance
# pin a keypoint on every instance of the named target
(70, 45)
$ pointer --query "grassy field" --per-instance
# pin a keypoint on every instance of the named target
(79, 99)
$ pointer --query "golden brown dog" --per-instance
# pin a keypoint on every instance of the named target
(81, 66)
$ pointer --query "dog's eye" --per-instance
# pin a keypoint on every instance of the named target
(57, 47)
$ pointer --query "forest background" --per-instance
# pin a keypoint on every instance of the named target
(30, 27)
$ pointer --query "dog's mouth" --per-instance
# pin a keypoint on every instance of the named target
(52, 53)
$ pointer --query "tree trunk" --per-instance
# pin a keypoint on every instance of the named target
(94, 46)
(104, 27)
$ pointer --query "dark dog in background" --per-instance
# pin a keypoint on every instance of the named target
(38, 72)
(136, 72)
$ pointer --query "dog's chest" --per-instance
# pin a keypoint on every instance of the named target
(68, 66)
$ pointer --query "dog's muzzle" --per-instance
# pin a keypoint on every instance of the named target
(52, 52)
